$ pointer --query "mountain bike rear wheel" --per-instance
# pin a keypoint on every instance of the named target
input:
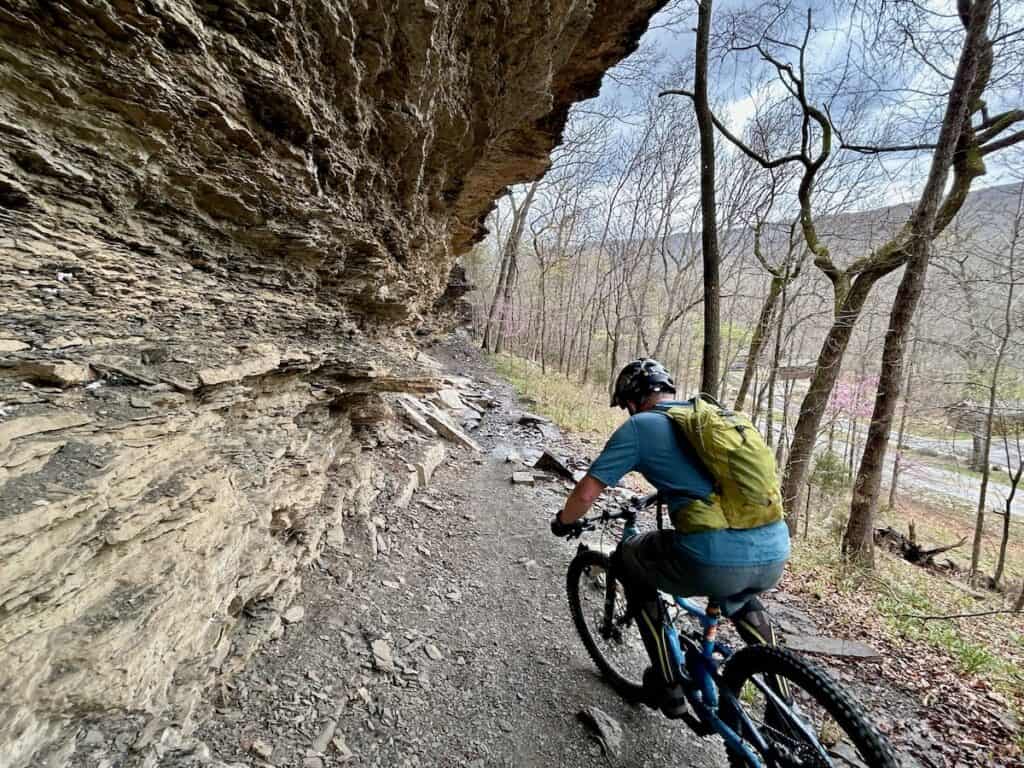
(820, 725)
(612, 642)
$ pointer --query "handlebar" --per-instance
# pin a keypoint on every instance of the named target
(627, 511)
(643, 502)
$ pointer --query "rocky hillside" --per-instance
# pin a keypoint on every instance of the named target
(220, 224)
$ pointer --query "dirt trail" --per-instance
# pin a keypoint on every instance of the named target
(454, 647)
(472, 576)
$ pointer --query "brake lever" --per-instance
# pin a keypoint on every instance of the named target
(579, 530)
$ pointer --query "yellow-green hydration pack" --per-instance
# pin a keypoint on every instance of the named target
(741, 464)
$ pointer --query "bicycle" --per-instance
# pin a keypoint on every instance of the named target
(761, 700)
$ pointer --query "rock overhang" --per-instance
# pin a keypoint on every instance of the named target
(218, 223)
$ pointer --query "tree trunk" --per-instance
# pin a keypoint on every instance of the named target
(689, 361)
(894, 483)
(1014, 483)
(543, 323)
(505, 317)
(613, 357)
(815, 401)
(680, 385)
(780, 449)
(986, 468)
(709, 217)
(499, 290)
(755, 411)
(502, 291)
(757, 340)
(727, 360)
(858, 540)
(851, 442)
(977, 450)
(807, 509)
(773, 374)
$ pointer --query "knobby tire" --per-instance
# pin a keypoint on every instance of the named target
(583, 560)
(770, 661)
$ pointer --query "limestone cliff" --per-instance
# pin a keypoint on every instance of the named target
(218, 223)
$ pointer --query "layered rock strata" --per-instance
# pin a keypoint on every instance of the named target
(219, 223)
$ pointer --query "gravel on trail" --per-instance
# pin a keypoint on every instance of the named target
(453, 648)
(453, 645)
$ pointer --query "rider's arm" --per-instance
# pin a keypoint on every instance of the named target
(619, 456)
(581, 499)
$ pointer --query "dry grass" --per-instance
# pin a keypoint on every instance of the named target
(580, 408)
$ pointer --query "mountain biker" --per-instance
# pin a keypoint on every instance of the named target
(731, 565)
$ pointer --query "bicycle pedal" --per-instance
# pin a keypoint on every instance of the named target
(696, 725)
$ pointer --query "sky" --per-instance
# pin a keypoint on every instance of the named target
(670, 40)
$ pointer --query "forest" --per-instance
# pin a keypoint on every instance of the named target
(815, 214)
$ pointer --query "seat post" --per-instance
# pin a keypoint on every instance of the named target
(712, 615)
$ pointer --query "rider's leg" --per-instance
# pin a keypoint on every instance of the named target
(638, 560)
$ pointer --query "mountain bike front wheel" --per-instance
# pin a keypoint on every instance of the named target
(597, 601)
(805, 718)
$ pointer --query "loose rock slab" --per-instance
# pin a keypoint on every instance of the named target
(429, 461)
(382, 658)
(415, 417)
(607, 729)
(831, 646)
(12, 345)
(450, 398)
(449, 431)
(59, 373)
(548, 462)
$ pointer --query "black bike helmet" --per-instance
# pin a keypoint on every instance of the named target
(639, 379)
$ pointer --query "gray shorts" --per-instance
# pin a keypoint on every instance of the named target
(652, 561)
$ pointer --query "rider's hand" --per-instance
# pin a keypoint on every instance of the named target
(562, 529)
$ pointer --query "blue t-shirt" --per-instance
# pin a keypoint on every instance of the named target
(650, 444)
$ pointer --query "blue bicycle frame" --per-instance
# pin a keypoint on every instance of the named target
(699, 671)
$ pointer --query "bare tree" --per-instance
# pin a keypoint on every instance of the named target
(1004, 333)
(819, 140)
(781, 274)
(956, 148)
(1015, 478)
(506, 276)
(907, 391)
(709, 229)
